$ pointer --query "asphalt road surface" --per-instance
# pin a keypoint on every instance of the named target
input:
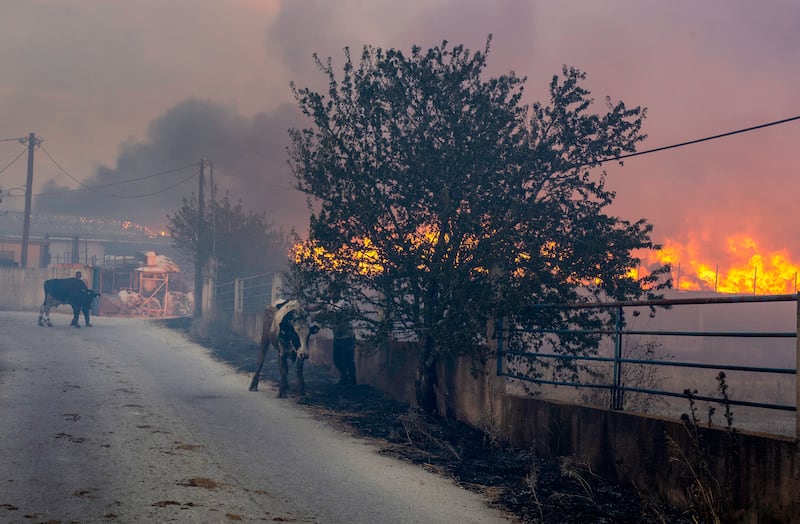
(127, 421)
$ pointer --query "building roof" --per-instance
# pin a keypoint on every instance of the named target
(68, 226)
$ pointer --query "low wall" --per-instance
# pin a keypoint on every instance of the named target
(23, 289)
(761, 472)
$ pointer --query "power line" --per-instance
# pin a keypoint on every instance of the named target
(690, 142)
(230, 173)
(162, 190)
(18, 139)
(124, 197)
(53, 160)
(112, 195)
(15, 159)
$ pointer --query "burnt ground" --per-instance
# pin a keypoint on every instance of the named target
(535, 489)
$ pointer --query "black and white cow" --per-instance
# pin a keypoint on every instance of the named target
(70, 291)
(286, 327)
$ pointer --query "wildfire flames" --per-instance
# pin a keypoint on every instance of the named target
(746, 268)
(363, 257)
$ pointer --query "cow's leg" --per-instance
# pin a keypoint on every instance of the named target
(44, 313)
(76, 311)
(301, 383)
(283, 367)
(254, 382)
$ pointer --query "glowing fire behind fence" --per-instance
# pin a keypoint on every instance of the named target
(746, 267)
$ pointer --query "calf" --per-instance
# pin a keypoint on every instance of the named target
(285, 326)
(70, 291)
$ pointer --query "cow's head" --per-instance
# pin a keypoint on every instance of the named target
(295, 329)
(88, 296)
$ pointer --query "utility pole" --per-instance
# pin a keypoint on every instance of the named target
(210, 280)
(213, 204)
(198, 258)
(26, 225)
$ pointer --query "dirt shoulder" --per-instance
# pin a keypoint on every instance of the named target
(533, 488)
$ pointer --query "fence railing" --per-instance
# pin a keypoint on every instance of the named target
(224, 298)
(244, 295)
(618, 361)
(68, 258)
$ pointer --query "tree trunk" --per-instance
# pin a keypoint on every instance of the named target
(426, 383)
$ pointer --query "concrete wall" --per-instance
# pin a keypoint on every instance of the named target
(12, 250)
(23, 289)
(761, 473)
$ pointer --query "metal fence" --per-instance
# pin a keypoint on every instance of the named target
(617, 362)
(256, 292)
(224, 298)
(244, 295)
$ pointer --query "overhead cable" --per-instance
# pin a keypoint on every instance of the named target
(690, 142)
(113, 195)
(15, 159)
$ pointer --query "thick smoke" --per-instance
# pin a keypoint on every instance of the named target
(699, 68)
(248, 155)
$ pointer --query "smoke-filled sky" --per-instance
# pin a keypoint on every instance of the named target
(122, 90)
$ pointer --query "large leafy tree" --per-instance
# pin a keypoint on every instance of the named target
(244, 242)
(440, 200)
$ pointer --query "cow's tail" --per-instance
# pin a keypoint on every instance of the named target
(264, 346)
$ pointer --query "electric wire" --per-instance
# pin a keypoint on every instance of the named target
(113, 195)
(689, 142)
(162, 190)
(278, 186)
(15, 159)
(124, 197)
(137, 179)
(18, 139)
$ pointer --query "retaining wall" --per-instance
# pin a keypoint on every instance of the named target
(23, 289)
(760, 473)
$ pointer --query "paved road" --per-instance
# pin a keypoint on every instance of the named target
(129, 422)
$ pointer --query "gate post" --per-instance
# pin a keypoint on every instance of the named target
(616, 392)
(210, 287)
(796, 371)
(498, 336)
(238, 295)
(277, 292)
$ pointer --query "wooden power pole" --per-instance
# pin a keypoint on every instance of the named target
(199, 254)
(26, 225)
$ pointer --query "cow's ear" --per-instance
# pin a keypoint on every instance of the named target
(314, 330)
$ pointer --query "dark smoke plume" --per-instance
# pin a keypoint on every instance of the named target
(147, 182)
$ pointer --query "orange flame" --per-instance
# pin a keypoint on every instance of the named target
(746, 268)
(361, 255)
(362, 258)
